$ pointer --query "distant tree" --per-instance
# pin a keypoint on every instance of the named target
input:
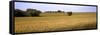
(29, 12)
(19, 13)
(59, 11)
(69, 13)
(33, 12)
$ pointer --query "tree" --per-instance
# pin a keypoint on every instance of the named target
(69, 13)
(33, 12)
(59, 11)
(29, 12)
(19, 13)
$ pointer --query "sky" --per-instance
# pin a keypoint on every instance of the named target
(53, 7)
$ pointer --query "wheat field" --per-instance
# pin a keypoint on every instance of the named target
(55, 22)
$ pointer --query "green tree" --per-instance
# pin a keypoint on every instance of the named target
(33, 12)
(59, 11)
(69, 13)
(19, 13)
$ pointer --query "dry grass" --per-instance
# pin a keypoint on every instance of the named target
(55, 22)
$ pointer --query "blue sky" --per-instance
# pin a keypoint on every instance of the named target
(54, 7)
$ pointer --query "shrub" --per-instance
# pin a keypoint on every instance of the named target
(69, 13)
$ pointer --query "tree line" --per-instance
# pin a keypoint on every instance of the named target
(34, 12)
(27, 13)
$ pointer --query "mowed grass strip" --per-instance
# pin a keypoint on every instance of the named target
(55, 22)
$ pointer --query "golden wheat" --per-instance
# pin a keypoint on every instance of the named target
(55, 22)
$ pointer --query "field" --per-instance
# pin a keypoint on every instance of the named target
(55, 22)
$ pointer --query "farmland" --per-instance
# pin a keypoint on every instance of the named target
(55, 22)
